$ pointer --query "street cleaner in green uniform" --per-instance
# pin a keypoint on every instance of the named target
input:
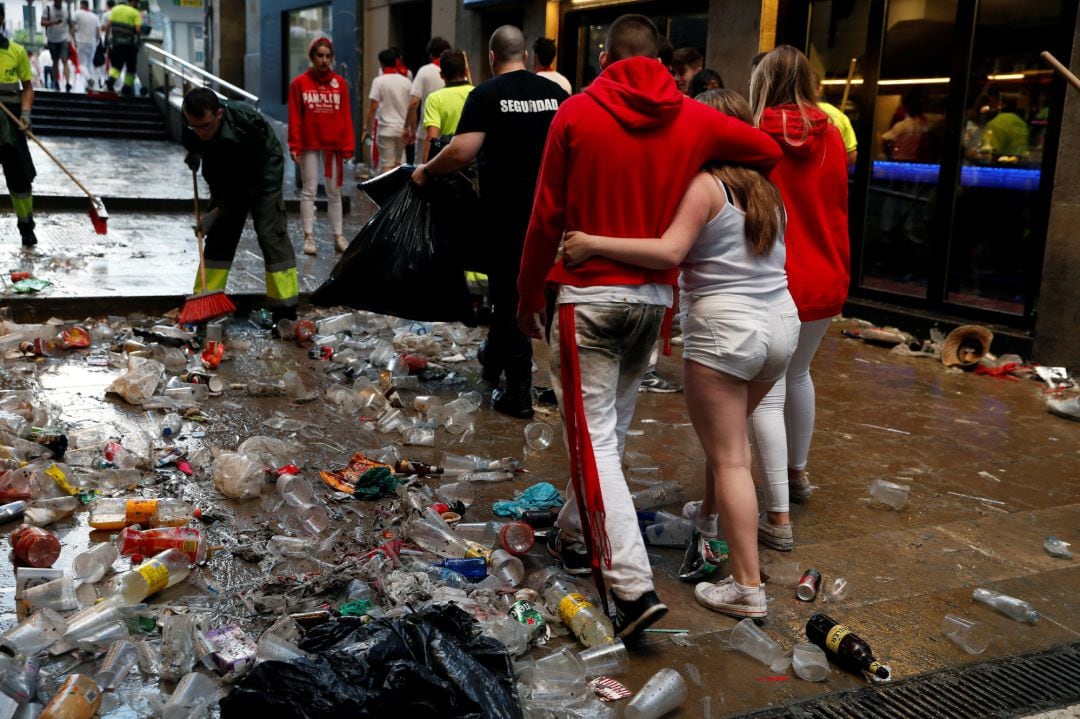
(243, 163)
(17, 94)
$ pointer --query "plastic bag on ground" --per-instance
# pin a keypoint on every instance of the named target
(431, 663)
(401, 263)
(140, 381)
(238, 476)
(541, 495)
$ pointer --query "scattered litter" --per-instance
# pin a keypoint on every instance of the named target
(985, 500)
(987, 475)
(1057, 548)
(884, 429)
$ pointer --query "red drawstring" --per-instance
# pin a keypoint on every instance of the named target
(583, 472)
(333, 159)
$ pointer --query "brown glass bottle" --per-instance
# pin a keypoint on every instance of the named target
(844, 646)
(409, 467)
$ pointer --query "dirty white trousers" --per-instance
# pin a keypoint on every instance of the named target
(310, 162)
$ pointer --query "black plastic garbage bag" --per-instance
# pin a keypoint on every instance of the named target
(383, 187)
(430, 664)
(401, 263)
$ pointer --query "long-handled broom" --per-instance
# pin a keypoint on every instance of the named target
(204, 305)
(98, 215)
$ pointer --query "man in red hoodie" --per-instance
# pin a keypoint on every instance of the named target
(618, 159)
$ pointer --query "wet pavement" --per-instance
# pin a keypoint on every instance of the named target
(991, 472)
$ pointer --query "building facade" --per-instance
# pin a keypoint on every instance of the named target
(962, 193)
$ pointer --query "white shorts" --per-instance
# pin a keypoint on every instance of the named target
(745, 337)
(391, 149)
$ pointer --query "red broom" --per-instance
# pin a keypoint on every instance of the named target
(98, 215)
(204, 305)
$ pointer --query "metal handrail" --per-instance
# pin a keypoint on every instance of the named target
(203, 75)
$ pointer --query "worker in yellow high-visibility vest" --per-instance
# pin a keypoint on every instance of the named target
(17, 95)
(124, 30)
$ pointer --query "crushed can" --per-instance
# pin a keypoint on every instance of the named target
(525, 612)
(703, 557)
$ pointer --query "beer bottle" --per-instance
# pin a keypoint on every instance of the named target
(845, 647)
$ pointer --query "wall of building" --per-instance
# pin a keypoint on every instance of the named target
(733, 41)
(1057, 339)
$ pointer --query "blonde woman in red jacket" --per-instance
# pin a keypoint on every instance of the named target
(812, 178)
(320, 128)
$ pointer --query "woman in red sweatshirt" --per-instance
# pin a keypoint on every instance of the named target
(320, 127)
(812, 178)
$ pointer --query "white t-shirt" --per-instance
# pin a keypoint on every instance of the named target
(391, 91)
(57, 33)
(428, 80)
(559, 79)
(87, 27)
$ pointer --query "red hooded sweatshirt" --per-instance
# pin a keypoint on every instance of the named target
(813, 181)
(618, 159)
(320, 117)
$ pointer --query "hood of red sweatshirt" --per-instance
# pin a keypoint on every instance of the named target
(784, 123)
(639, 92)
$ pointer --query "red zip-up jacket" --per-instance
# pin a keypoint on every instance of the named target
(812, 179)
(618, 159)
(320, 117)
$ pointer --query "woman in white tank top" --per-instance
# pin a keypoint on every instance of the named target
(740, 329)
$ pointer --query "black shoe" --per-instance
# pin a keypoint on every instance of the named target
(489, 372)
(572, 554)
(110, 84)
(128, 91)
(29, 239)
(514, 404)
(633, 617)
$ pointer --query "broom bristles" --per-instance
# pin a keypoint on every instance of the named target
(99, 217)
(205, 306)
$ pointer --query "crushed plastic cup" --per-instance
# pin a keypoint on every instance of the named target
(59, 595)
(747, 638)
(275, 648)
(664, 691)
(837, 589)
(419, 436)
(563, 663)
(34, 634)
(889, 493)
(539, 435)
(605, 660)
(194, 694)
(810, 662)
(471, 398)
(459, 422)
(971, 636)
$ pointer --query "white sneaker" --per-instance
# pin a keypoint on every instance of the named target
(727, 598)
(775, 536)
(309, 245)
(707, 525)
(340, 243)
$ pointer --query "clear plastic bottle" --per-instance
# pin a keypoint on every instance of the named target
(674, 532)
(171, 425)
(149, 542)
(1015, 608)
(585, 620)
(110, 513)
(152, 576)
(43, 512)
(657, 495)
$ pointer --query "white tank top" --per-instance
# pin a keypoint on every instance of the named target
(720, 262)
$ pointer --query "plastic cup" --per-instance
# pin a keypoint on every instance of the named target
(458, 422)
(419, 437)
(507, 567)
(538, 435)
(193, 694)
(837, 589)
(747, 638)
(810, 662)
(91, 565)
(275, 648)
(971, 636)
(785, 574)
(605, 660)
(59, 595)
(36, 633)
(563, 664)
(889, 493)
(664, 691)
(457, 464)
(457, 492)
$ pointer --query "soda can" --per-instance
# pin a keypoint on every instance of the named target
(212, 381)
(525, 612)
(808, 585)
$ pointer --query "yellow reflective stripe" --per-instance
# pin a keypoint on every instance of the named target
(23, 205)
(215, 279)
(283, 285)
(475, 277)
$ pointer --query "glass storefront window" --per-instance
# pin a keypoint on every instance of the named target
(838, 33)
(682, 30)
(302, 26)
(1007, 111)
(908, 125)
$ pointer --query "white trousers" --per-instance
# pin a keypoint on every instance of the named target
(783, 424)
(613, 342)
(89, 73)
(311, 171)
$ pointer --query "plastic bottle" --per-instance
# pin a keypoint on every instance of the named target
(118, 455)
(584, 619)
(657, 495)
(468, 567)
(1015, 608)
(79, 697)
(12, 511)
(443, 575)
(109, 513)
(152, 576)
(257, 388)
(42, 512)
(171, 425)
(149, 542)
(845, 647)
(34, 546)
(672, 533)
(437, 538)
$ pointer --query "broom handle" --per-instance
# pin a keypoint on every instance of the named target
(847, 85)
(54, 158)
(198, 230)
(1065, 72)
